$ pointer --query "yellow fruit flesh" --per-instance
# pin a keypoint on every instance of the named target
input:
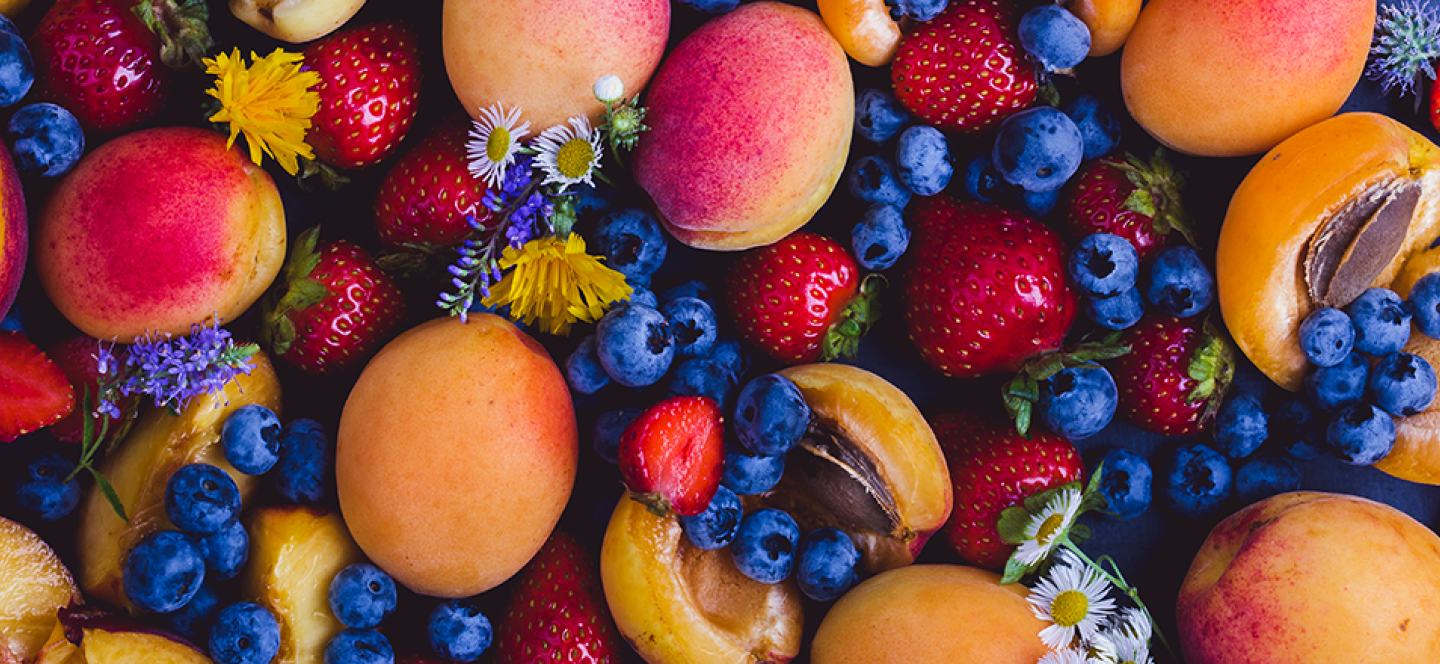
(103, 647)
(294, 553)
(34, 583)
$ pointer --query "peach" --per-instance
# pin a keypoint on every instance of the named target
(922, 614)
(863, 28)
(14, 232)
(157, 230)
(34, 584)
(750, 122)
(1226, 78)
(1109, 21)
(552, 52)
(92, 636)
(456, 454)
(1314, 578)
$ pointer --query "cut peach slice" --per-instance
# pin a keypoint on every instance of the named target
(95, 637)
(34, 584)
(864, 29)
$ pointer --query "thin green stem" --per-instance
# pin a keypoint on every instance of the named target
(1130, 591)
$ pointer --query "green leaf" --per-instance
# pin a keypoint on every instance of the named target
(1141, 201)
(1014, 570)
(1011, 525)
(1080, 534)
(110, 494)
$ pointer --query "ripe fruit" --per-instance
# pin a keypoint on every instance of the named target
(369, 93)
(1124, 196)
(76, 357)
(93, 636)
(426, 196)
(986, 288)
(35, 584)
(558, 609)
(1172, 380)
(34, 392)
(993, 468)
(672, 455)
(863, 28)
(965, 70)
(14, 233)
(295, 21)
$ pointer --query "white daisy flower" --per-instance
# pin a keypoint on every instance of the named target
(1066, 656)
(1130, 651)
(1074, 598)
(1132, 623)
(1043, 532)
(609, 89)
(494, 139)
(1101, 649)
(568, 154)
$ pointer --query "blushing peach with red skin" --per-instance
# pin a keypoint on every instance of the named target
(14, 232)
(750, 122)
(158, 230)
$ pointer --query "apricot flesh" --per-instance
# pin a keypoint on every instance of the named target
(34, 584)
(863, 28)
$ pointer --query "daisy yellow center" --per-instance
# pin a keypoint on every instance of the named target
(1049, 528)
(1069, 608)
(498, 146)
(574, 158)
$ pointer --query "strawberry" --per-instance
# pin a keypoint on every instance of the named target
(801, 299)
(33, 390)
(994, 467)
(424, 199)
(671, 455)
(1124, 196)
(558, 611)
(1175, 374)
(965, 71)
(76, 357)
(369, 93)
(986, 288)
(335, 307)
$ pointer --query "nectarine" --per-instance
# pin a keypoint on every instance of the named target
(14, 232)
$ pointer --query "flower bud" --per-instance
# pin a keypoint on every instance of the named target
(609, 89)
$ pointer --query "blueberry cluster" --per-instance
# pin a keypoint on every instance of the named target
(361, 597)
(45, 139)
(1106, 270)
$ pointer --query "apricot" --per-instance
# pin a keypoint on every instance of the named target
(1226, 78)
(1109, 21)
(750, 122)
(1314, 578)
(34, 584)
(863, 28)
(14, 230)
(456, 454)
(940, 614)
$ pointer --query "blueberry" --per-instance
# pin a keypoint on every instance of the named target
(361, 595)
(163, 571)
(41, 488)
(7, 25)
(594, 199)
(201, 499)
(880, 238)
(1197, 482)
(14, 320)
(717, 526)
(1382, 325)
(982, 182)
(1117, 312)
(751, 474)
(251, 439)
(1403, 384)
(1078, 402)
(730, 353)
(923, 158)
(643, 295)
(711, 6)
(1054, 36)
(608, 429)
(632, 243)
(1333, 388)
(692, 288)
(1037, 203)
(304, 471)
(1424, 305)
(1125, 479)
(458, 631)
(1266, 476)
(704, 377)
(17, 74)
(1241, 425)
(879, 117)
(1038, 149)
(1179, 283)
(692, 325)
(193, 620)
(876, 179)
(635, 345)
(1098, 124)
(764, 549)
(46, 139)
(244, 633)
(827, 564)
(921, 10)
(1298, 429)
(359, 646)
(1326, 337)
(225, 552)
(1361, 434)
(770, 415)
(1104, 265)
(582, 369)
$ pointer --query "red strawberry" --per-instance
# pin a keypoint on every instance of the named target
(424, 199)
(965, 70)
(558, 612)
(671, 455)
(797, 299)
(986, 288)
(994, 467)
(33, 390)
(369, 93)
(336, 307)
(76, 357)
(1175, 374)
(1126, 197)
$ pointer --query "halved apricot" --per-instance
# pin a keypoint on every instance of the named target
(864, 29)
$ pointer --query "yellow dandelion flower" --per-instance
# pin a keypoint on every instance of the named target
(270, 102)
(554, 280)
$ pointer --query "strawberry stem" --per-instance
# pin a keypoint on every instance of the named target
(855, 320)
(1157, 194)
(1022, 392)
(1213, 366)
(182, 29)
(277, 333)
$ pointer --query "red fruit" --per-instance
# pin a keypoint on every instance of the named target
(424, 199)
(336, 308)
(76, 357)
(965, 70)
(795, 299)
(1172, 380)
(558, 612)
(33, 390)
(369, 93)
(993, 468)
(1126, 197)
(672, 455)
(986, 288)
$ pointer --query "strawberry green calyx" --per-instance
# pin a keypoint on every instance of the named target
(1022, 392)
(300, 291)
(654, 502)
(316, 175)
(1213, 367)
(1157, 194)
(182, 29)
(843, 338)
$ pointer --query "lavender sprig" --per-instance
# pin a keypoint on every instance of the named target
(173, 370)
(1407, 42)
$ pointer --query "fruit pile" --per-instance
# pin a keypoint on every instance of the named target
(676, 330)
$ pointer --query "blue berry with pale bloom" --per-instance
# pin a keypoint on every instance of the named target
(359, 646)
(244, 633)
(693, 288)
(920, 10)
(635, 345)
(704, 377)
(1241, 425)
(1179, 284)
(1103, 265)
(1078, 402)
(1424, 305)
(361, 595)
(46, 139)
(1333, 388)
(880, 238)
(1403, 384)
(251, 439)
(751, 474)
(982, 182)
(632, 243)
(1326, 336)
(1098, 124)
(729, 352)
(1038, 149)
(717, 526)
(201, 499)
(692, 325)
(608, 429)
(1117, 312)
(1198, 480)
(643, 295)
(1265, 476)
(163, 571)
(1382, 325)
(923, 157)
(876, 179)
(1055, 37)
(1125, 481)
(458, 631)
(41, 488)
(771, 415)
(225, 552)
(304, 471)
(17, 69)
(764, 549)
(1037, 203)
(827, 565)
(879, 117)
(193, 620)
(1361, 434)
(583, 370)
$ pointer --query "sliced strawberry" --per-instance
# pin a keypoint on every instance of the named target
(672, 455)
(558, 612)
(34, 392)
(1175, 375)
